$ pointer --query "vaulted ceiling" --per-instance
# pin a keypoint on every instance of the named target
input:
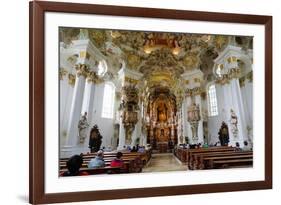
(161, 57)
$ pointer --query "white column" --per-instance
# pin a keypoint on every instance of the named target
(87, 106)
(88, 101)
(189, 131)
(121, 143)
(74, 117)
(135, 134)
(200, 123)
(239, 110)
(179, 125)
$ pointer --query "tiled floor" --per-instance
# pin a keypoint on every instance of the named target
(164, 163)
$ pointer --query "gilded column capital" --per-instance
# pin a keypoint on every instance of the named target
(249, 76)
(82, 69)
(232, 73)
(242, 81)
(62, 73)
(92, 77)
(193, 92)
(71, 79)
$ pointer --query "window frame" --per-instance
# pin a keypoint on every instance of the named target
(106, 111)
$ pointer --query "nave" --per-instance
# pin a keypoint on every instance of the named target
(163, 163)
(140, 99)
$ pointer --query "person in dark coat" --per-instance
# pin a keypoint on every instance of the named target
(95, 139)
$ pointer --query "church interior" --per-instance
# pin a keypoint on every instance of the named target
(167, 101)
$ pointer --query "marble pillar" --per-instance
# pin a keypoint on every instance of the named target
(75, 113)
(200, 132)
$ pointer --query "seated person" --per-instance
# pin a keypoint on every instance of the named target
(246, 147)
(192, 146)
(237, 146)
(73, 165)
(137, 147)
(97, 161)
(134, 149)
(117, 162)
(129, 148)
(141, 149)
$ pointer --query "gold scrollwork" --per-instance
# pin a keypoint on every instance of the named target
(194, 91)
(232, 59)
(231, 74)
(242, 81)
(131, 80)
(92, 77)
(62, 73)
(249, 76)
(82, 69)
(71, 79)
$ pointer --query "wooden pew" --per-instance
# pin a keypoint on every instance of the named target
(233, 163)
(145, 156)
(102, 170)
(201, 161)
(229, 161)
(191, 152)
(181, 153)
(132, 161)
(197, 159)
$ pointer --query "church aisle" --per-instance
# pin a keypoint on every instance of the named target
(163, 163)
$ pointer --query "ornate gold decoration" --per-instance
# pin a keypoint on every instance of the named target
(249, 76)
(220, 41)
(62, 73)
(242, 81)
(231, 74)
(71, 79)
(84, 54)
(82, 69)
(232, 59)
(92, 77)
(193, 117)
(196, 80)
(234, 73)
(191, 60)
(203, 95)
(131, 80)
(129, 110)
(133, 60)
(220, 66)
(224, 79)
(98, 37)
(194, 91)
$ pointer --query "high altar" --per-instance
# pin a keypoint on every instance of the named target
(161, 128)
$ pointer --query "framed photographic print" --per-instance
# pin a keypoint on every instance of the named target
(139, 102)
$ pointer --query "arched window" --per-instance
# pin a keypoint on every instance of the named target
(212, 100)
(108, 100)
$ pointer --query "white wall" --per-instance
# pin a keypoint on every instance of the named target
(14, 101)
(105, 125)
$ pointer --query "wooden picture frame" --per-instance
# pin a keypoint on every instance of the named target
(37, 98)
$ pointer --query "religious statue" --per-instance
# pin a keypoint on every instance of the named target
(234, 122)
(95, 139)
(223, 134)
(82, 128)
(162, 113)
